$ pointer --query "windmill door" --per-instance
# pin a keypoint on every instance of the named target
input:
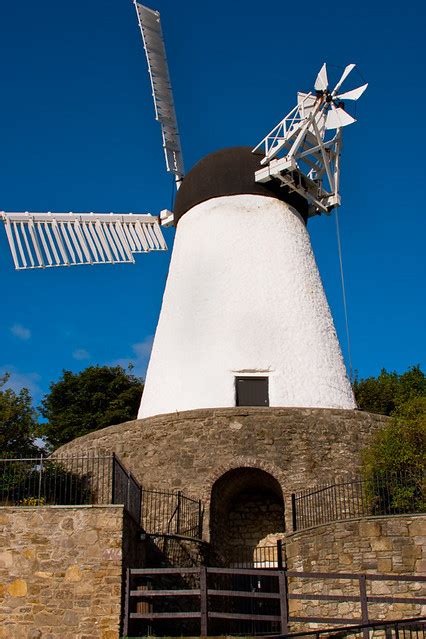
(252, 391)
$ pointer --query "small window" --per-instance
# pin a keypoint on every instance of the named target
(252, 391)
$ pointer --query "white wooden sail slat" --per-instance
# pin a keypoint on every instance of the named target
(51, 242)
(27, 243)
(129, 238)
(111, 243)
(10, 239)
(44, 244)
(159, 236)
(91, 227)
(141, 235)
(33, 227)
(65, 232)
(152, 235)
(90, 242)
(132, 231)
(124, 242)
(117, 242)
(59, 242)
(19, 243)
(83, 243)
(104, 242)
(74, 240)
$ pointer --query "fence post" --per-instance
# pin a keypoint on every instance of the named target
(293, 512)
(129, 477)
(282, 586)
(280, 554)
(179, 496)
(126, 604)
(113, 480)
(364, 604)
(200, 519)
(39, 479)
(203, 602)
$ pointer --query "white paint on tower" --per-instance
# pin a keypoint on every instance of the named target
(244, 297)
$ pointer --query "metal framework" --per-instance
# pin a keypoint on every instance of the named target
(152, 36)
(303, 150)
(40, 240)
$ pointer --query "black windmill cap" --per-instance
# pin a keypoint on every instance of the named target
(230, 171)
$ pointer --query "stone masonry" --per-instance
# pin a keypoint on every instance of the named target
(394, 545)
(189, 451)
(61, 570)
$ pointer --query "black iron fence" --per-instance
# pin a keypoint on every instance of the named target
(380, 494)
(126, 489)
(271, 556)
(171, 513)
(68, 480)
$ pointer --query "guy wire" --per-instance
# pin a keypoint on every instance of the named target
(345, 307)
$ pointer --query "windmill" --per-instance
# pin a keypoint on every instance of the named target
(238, 325)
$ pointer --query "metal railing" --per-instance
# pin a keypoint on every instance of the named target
(402, 629)
(271, 556)
(380, 494)
(126, 489)
(73, 480)
(171, 513)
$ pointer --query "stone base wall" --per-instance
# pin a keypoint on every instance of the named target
(61, 571)
(394, 545)
(189, 451)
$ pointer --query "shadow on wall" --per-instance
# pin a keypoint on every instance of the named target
(247, 505)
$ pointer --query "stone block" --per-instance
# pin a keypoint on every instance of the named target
(18, 588)
(417, 527)
(73, 573)
(369, 528)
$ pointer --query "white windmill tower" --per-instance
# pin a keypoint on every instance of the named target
(244, 318)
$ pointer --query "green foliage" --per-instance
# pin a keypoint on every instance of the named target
(387, 393)
(18, 422)
(394, 463)
(80, 403)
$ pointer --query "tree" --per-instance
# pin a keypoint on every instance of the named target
(387, 393)
(80, 403)
(18, 422)
(394, 462)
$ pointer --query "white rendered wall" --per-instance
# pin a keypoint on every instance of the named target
(244, 297)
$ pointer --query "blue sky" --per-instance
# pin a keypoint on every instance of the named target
(77, 133)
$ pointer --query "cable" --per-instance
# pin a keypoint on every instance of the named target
(345, 307)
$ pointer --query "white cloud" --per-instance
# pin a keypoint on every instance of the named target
(80, 354)
(17, 380)
(20, 331)
(139, 358)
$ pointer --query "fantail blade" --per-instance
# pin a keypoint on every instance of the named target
(321, 83)
(337, 118)
(355, 94)
(345, 74)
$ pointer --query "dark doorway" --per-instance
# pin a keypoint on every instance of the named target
(246, 506)
(251, 391)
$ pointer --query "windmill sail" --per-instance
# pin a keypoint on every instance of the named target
(152, 36)
(39, 240)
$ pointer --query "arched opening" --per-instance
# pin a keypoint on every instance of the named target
(246, 506)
